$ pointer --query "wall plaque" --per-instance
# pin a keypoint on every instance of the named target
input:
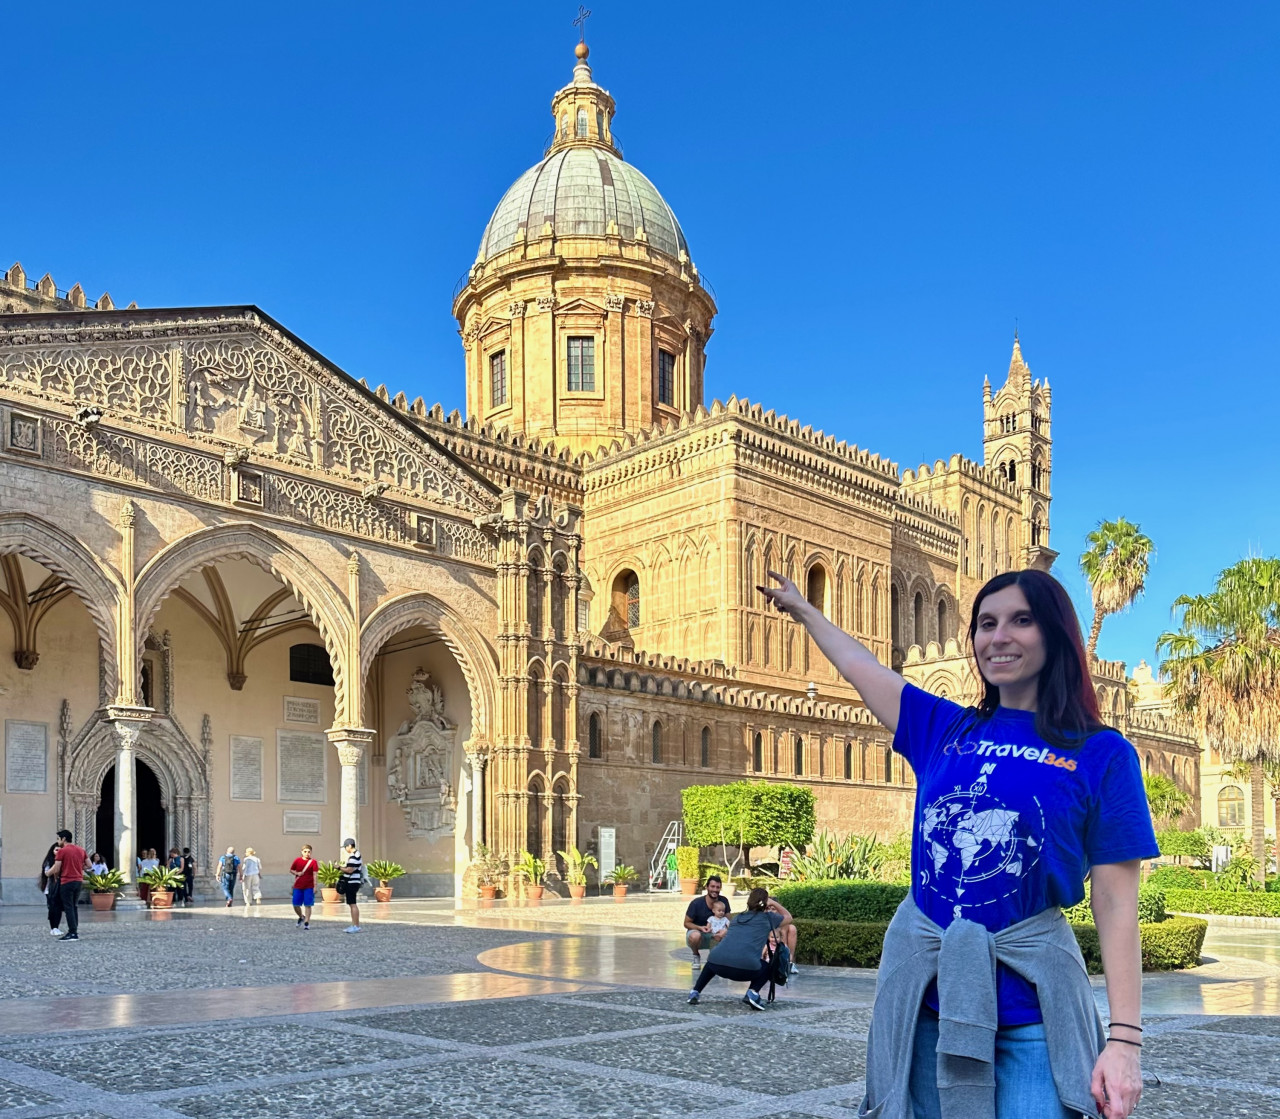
(246, 767)
(300, 767)
(302, 823)
(300, 710)
(26, 756)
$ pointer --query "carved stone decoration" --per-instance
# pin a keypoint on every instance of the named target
(132, 379)
(516, 309)
(644, 308)
(420, 758)
(546, 303)
(614, 302)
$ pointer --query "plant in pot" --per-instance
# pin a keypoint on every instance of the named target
(327, 874)
(382, 872)
(161, 882)
(575, 870)
(103, 888)
(620, 878)
(490, 871)
(532, 870)
(687, 859)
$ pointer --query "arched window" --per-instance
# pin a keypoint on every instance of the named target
(848, 761)
(919, 635)
(559, 596)
(582, 123)
(860, 608)
(799, 756)
(657, 742)
(595, 747)
(816, 587)
(625, 600)
(309, 664)
(558, 702)
(564, 125)
(536, 701)
(943, 631)
(534, 604)
(895, 619)
(600, 124)
(1013, 470)
(888, 765)
(1231, 807)
(537, 816)
(757, 753)
(705, 756)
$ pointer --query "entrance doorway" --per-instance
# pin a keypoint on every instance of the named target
(150, 830)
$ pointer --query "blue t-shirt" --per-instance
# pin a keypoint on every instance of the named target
(1007, 825)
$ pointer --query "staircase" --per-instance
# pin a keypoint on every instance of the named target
(672, 837)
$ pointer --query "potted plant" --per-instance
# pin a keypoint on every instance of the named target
(575, 870)
(103, 888)
(383, 872)
(161, 882)
(490, 870)
(327, 874)
(687, 859)
(621, 877)
(532, 870)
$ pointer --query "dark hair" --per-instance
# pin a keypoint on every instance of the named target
(1066, 707)
(64, 834)
(714, 878)
(757, 899)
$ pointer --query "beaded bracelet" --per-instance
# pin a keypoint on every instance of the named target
(1123, 1041)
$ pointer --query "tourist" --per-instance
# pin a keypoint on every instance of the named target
(741, 955)
(251, 877)
(175, 864)
(188, 876)
(49, 887)
(98, 864)
(304, 885)
(697, 935)
(350, 881)
(228, 869)
(1017, 799)
(69, 870)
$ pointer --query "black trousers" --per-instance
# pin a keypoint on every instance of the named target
(757, 977)
(70, 896)
(53, 899)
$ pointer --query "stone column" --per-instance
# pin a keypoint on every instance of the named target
(351, 742)
(477, 758)
(128, 723)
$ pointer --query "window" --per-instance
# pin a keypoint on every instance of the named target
(848, 761)
(582, 365)
(582, 123)
(943, 634)
(633, 601)
(309, 664)
(888, 765)
(657, 742)
(600, 124)
(593, 737)
(624, 604)
(799, 756)
(666, 377)
(918, 619)
(1231, 807)
(706, 747)
(757, 753)
(816, 588)
(498, 379)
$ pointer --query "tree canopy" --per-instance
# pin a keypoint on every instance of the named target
(1116, 563)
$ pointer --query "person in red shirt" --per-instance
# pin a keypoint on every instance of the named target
(69, 870)
(304, 885)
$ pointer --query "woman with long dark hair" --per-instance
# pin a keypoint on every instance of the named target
(983, 1005)
(741, 954)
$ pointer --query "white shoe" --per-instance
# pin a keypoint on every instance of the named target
(697, 964)
(354, 928)
(55, 932)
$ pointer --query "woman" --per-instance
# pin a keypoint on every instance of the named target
(251, 877)
(49, 887)
(188, 876)
(1017, 800)
(97, 864)
(740, 955)
(175, 864)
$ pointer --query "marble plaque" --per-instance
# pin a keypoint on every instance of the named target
(300, 766)
(300, 710)
(246, 767)
(26, 756)
(302, 823)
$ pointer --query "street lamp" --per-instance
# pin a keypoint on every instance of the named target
(811, 690)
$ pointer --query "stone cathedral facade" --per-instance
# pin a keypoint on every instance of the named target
(248, 600)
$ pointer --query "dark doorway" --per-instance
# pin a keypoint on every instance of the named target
(151, 815)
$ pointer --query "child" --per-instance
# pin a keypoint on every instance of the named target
(717, 923)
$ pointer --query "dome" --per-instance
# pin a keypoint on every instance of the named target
(582, 191)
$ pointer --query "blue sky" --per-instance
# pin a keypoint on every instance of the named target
(876, 192)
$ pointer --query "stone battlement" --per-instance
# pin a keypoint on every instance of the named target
(45, 295)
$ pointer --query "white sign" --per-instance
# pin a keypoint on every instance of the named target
(608, 851)
(301, 757)
(26, 756)
(246, 767)
(300, 710)
(302, 823)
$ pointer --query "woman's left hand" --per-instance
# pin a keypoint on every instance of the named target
(1117, 1080)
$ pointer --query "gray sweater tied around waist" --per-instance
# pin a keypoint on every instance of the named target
(1042, 949)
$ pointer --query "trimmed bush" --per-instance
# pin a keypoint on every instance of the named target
(840, 901)
(749, 813)
(1179, 878)
(1226, 902)
(1151, 904)
(1174, 943)
(1193, 844)
(1273, 885)
(840, 943)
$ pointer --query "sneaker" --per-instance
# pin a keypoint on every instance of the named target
(228, 903)
(697, 964)
(795, 970)
(693, 997)
(55, 932)
(69, 936)
(753, 1000)
(354, 928)
(299, 922)
(306, 925)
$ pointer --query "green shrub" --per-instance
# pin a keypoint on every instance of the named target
(1151, 904)
(1174, 943)
(1273, 885)
(840, 943)
(749, 814)
(1193, 844)
(1243, 904)
(1177, 878)
(840, 901)
(687, 862)
(1239, 875)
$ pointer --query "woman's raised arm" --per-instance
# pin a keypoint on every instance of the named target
(880, 687)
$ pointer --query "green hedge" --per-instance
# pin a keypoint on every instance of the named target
(1180, 878)
(840, 901)
(839, 943)
(750, 813)
(1228, 902)
(1190, 843)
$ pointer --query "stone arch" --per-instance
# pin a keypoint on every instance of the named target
(322, 601)
(93, 583)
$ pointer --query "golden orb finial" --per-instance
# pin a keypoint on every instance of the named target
(582, 50)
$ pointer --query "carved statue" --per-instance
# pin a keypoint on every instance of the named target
(420, 757)
(253, 408)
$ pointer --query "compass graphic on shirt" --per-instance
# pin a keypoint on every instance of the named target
(974, 848)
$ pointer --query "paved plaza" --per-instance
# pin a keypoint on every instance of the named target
(558, 1010)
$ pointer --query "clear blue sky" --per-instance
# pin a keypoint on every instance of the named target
(876, 193)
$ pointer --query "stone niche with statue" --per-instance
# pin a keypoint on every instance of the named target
(420, 763)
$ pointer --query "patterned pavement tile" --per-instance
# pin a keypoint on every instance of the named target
(15, 1095)
(508, 1022)
(1177, 1101)
(1219, 1056)
(718, 999)
(855, 1021)
(1269, 1027)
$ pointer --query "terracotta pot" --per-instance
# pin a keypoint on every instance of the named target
(103, 900)
(619, 892)
(144, 892)
(535, 893)
(328, 893)
(688, 886)
(382, 893)
(161, 899)
(488, 893)
(577, 891)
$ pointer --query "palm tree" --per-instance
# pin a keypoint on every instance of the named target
(1223, 666)
(1116, 564)
(1166, 801)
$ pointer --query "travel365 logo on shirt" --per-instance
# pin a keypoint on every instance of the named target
(988, 749)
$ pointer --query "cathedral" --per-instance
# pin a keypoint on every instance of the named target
(251, 601)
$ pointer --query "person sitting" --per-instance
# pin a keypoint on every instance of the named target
(742, 955)
(718, 923)
(697, 933)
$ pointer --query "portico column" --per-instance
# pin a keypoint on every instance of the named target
(128, 723)
(351, 742)
(477, 758)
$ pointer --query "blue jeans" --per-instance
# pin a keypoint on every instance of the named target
(1024, 1084)
(229, 888)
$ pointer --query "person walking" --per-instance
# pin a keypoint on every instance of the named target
(741, 954)
(49, 887)
(251, 878)
(228, 871)
(69, 869)
(188, 876)
(983, 1005)
(304, 885)
(350, 882)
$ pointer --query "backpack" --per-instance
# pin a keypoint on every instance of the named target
(779, 968)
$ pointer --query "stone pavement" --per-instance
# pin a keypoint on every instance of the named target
(506, 1012)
